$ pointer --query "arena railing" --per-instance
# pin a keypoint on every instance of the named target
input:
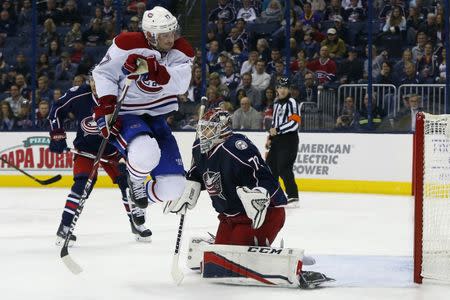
(432, 96)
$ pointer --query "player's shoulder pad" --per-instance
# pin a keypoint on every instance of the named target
(131, 40)
(239, 145)
(182, 45)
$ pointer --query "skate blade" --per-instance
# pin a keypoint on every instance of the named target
(141, 239)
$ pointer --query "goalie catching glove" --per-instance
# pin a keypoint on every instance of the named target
(255, 202)
(189, 198)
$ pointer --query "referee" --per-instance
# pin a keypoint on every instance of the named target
(283, 140)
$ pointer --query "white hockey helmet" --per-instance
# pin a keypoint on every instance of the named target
(158, 20)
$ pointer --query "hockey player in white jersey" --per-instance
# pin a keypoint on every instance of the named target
(145, 138)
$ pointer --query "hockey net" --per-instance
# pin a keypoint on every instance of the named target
(432, 197)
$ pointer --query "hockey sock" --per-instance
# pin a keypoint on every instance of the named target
(69, 209)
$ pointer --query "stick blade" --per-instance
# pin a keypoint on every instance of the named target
(50, 180)
(69, 262)
(177, 274)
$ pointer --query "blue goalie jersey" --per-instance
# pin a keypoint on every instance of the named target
(236, 162)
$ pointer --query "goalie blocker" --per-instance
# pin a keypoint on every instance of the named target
(260, 266)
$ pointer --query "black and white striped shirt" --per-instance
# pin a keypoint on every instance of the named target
(285, 116)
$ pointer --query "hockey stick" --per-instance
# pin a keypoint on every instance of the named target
(66, 258)
(42, 182)
(88, 155)
(177, 273)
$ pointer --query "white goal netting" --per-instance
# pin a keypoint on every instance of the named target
(436, 198)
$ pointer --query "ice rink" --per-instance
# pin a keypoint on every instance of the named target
(364, 241)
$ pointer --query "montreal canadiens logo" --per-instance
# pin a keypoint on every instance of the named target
(147, 86)
(89, 126)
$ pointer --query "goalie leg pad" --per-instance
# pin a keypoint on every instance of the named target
(195, 252)
(237, 230)
(252, 265)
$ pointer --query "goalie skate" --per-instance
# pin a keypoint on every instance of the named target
(312, 280)
(141, 233)
(61, 235)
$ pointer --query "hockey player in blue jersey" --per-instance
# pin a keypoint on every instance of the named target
(80, 100)
(250, 203)
(243, 190)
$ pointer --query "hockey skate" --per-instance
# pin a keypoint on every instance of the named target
(312, 280)
(137, 192)
(138, 215)
(293, 202)
(142, 234)
(61, 235)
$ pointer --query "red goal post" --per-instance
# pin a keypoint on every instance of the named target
(431, 182)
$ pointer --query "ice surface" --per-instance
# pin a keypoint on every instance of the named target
(364, 241)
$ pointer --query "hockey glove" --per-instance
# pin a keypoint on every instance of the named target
(255, 202)
(58, 140)
(106, 106)
(189, 198)
(131, 64)
(156, 72)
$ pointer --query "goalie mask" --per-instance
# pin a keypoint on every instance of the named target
(213, 129)
(159, 22)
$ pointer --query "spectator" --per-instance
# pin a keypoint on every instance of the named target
(95, 35)
(234, 37)
(44, 68)
(268, 100)
(336, 46)
(410, 76)
(224, 11)
(42, 121)
(78, 52)
(252, 93)
(430, 28)
(7, 119)
(23, 120)
(65, 70)
(354, 16)
(107, 10)
(238, 56)
(394, 32)
(278, 37)
(299, 76)
(16, 100)
(7, 25)
(249, 66)
(412, 25)
(406, 118)
(21, 83)
(21, 65)
(212, 56)
(140, 10)
(272, 14)
(57, 93)
(441, 68)
(230, 78)
(426, 65)
(43, 90)
(309, 17)
(49, 34)
(324, 67)
(377, 60)
(51, 12)
(310, 46)
(400, 65)
(239, 95)
(246, 117)
(385, 76)
(346, 119)
(247, 12)
(262, 46)
(240, 25)
(214, 97)
(419, 49)
(195, 87)
(73, 35)
(351, 69)
(25, 13)
(133, 25)
(260, 79)
(78, 80)
(275, 55)
(279, 72)
(378, 114)
(54, 53)
(334, 9)
(70, 14)
(308, 92)
(222, 89)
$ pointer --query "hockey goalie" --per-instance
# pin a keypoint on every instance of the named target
(250, 203)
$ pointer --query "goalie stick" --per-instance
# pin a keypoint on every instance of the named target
(66, 258)
(176, 272)
(40, 181)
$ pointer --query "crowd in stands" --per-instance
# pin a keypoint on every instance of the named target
(246, 54)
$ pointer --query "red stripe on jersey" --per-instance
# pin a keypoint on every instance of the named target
(71, 205)
(131, 40)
